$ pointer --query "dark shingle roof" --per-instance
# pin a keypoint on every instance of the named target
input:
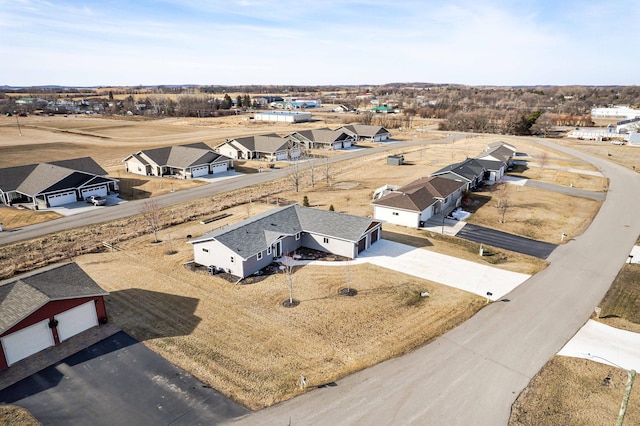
(469, 169)
(23, 295)
(365, 130)
(323, 135)
(262, 143)
(256, 233)
(35, 178)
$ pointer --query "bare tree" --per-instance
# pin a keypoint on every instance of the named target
(327, 169)
(544, 162)
(287, 266)
(296, 154)
(150, 211)
(312, 170)
(503, 196)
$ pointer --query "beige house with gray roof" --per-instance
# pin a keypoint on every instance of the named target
(182, 161)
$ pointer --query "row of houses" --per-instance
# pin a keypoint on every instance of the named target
(275, 147)
(56, 183)
(441, 192)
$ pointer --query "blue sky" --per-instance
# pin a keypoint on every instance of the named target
(304, 42)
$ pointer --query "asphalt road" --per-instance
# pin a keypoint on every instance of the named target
(133, 207)
(473, 374)
(118, 381)
(575, 192)
(480, 234)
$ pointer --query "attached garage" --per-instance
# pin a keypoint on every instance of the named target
(199, 171)
(362, 244)
(62, 198)
(219, 168)
(26, 342)
(98, 190)
(76, 320)
(45, 307)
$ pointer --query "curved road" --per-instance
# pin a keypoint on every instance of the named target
(473, 374)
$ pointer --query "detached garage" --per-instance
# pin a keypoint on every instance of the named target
(43, 308)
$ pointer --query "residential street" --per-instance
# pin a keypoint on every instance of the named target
(133, 207)
(474, 373)
(516, 243)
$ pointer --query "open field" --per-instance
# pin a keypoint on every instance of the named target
(242, 341)
(570, 391)
(537, 214)
(625, 155)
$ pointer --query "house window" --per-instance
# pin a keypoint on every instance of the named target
(259, 255)
(396, 214)
(206, 250)
(446, 200)
(269, 250)
(297, 236)
(232, 259)
(139, 169)
(326, 240)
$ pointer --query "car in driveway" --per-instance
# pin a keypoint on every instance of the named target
(97, 200)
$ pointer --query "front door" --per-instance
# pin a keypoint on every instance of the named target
(277, 249)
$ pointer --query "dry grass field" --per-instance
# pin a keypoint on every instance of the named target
(241, 340)
(571, 391)
(205, 324)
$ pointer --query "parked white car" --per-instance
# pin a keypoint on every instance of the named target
(97, 200)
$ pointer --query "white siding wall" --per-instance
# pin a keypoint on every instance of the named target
(135, 166)
(402, 217)
(335, 246)
(228, 151)
(217, 255)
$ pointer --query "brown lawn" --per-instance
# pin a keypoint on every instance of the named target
(241, 340)
(13, 415)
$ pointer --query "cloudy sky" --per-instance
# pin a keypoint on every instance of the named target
(299, 42)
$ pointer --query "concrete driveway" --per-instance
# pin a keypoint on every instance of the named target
(118, 381)
(448, 270)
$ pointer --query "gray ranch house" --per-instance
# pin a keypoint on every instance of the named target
(364, 132)
(248, 246)
(415, 203)
(182, 161)
(271, 147)
(54, 183)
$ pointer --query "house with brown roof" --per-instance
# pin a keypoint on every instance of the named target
(40, 309)
(415, 203)
(54, 183)
(182, 161)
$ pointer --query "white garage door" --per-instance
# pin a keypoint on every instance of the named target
(62, 198)
(27, 341)
(219, 168)
(98, 190)
(76, 320)
(199, 171)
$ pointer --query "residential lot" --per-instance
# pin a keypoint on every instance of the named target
(238, 338)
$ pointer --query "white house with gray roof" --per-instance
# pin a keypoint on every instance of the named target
(270, 147)
(182, 161)
(248, 246)
(54, 183)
